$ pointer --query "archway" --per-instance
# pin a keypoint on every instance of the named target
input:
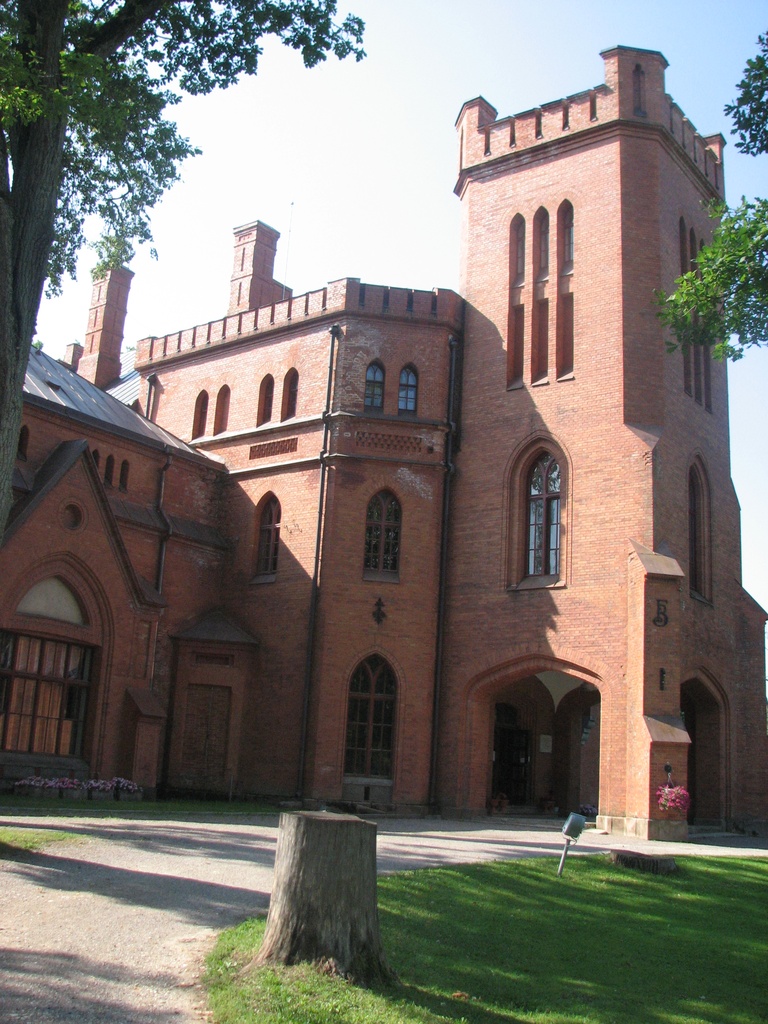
(546, 745)
(703, 714)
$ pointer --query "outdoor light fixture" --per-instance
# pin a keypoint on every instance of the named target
(662, 679)
(572, 829)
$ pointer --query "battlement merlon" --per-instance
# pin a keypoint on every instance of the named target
(633, 91)
(343, 298)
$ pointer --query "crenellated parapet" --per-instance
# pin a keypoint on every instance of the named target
(347, 296)
(633, 93)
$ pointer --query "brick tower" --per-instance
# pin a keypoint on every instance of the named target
(599, 637)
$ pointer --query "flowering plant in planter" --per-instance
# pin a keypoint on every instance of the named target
(33, 782)
(673, 798)
(125, 785)
(64, 784)
(99, 785)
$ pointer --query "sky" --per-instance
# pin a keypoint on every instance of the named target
(355, 164)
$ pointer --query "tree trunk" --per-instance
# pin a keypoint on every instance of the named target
(323, 907)
(28, 198)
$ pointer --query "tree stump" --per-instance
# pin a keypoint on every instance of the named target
(323, 907)
(644, 862)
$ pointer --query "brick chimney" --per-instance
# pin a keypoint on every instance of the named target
(100, 362)
(253, 284)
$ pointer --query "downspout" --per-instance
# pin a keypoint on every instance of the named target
(335, 335)
(449, 470)
(160, 572)
(151, 387)
(159, 577)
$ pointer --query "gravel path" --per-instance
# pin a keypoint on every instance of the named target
(115, 927)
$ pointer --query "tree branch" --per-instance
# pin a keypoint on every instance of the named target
(105, 39)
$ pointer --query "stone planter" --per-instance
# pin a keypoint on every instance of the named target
(101, 794)
(73, 794)
(121, 794)
(36, 792)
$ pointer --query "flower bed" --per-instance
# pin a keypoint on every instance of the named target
(72, 789)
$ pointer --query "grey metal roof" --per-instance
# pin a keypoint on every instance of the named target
(53, 384)
(126, 388)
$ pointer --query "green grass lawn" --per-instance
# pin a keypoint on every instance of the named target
(505, 943)
(15, 842)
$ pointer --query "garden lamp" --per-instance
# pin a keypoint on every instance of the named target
(572, 829)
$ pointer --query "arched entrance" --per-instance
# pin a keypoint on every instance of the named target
(546, 745)
(703, 714)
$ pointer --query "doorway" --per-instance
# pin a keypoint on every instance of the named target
(511, 757)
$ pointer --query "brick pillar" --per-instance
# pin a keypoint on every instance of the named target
(656, 734)
(100, 362)
(253, 284)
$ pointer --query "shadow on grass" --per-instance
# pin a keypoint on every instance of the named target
(600, 944)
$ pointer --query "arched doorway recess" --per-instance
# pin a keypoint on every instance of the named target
(703, 712)
(546, 745)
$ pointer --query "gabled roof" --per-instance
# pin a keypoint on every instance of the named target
(60, 462)
(52, 384)
(215, 627)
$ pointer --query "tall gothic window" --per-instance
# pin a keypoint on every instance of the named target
(382, 535)
(371, 719)
(266, 396)
(542, 242)
(221, 416)
(269, 538)
(290, 394)
(544, 517)
(517, 251)
(201, 415)
(406, 396)
(374, 386)
(698, 533)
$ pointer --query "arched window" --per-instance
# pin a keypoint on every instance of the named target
(565, 290)
(109, 470)
(565, 224)
(266, 395)
(21, 448)
(541, 240)
(374, 386)
(516, 325)
(201, 415)
(406, 396)
(382, 535)
(221, 416)
(698, 532)
(684, 268)
(371, 719)
(124, 470)
(95, 456)
(517, 251)
(290, 394)
(269, 538)
(544, 517)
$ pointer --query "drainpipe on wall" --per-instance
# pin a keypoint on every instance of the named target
(159, 577)
(335, 336)
(449, 470)
(151, 389)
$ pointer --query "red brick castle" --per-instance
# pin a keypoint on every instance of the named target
(404, 549)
